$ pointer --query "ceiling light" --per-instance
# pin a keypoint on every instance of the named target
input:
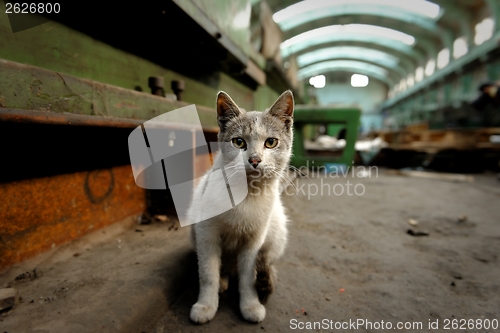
(318, 81)
(359, 80)
(419, 74)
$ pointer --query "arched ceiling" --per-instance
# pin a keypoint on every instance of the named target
(426, 42)
(350, 33)
(320, 32)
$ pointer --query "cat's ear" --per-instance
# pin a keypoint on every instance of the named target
(283, 108)
(226, 109)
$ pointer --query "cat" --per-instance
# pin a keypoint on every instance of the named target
(249, 238)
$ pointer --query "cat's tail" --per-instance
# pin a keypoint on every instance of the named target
(266, 275)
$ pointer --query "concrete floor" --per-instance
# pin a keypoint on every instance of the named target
(349, 258)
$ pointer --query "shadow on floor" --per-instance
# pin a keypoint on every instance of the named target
(181, 292)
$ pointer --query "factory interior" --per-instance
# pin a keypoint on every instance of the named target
(391, 190)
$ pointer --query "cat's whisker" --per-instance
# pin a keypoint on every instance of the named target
(292, 183)
(283, 176)
(298, 171)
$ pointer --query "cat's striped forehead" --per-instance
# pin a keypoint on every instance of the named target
(256, 126)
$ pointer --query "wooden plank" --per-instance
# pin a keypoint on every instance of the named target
(432, 141)
(32, 88)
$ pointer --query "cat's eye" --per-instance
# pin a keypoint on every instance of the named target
(271, 143)
(239, 143)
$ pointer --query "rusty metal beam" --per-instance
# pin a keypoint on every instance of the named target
(41, 213)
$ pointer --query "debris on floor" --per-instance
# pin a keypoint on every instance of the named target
(8, 298)
(161, 218)
(417, 233)
(412, 222)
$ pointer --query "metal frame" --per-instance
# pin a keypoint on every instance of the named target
(317, 115)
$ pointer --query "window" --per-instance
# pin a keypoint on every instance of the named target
(430, 67)
(390, 94)
(484, 30)
(410, 80)
(419, 74)
(460, 47)
(443, 58)
(402, 84)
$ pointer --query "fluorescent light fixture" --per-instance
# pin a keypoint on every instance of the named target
(430, 67)
(418, 7)
(359, 80)
(419, 74)
(484, 30)
(460, 47)
(352, 29)
(318, 81)
(443, 58)
(348, 52)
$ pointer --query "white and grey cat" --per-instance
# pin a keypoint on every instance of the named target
(249, 238)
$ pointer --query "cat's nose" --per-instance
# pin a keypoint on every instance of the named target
(254, 161)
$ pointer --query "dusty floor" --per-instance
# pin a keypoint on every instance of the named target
(349, 258)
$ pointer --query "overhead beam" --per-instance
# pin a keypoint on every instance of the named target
(382, 59)
(405, 61)
(419, 57)
(349, 66)
(355, 9)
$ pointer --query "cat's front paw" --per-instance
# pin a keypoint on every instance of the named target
(201, 313)
(253, 312)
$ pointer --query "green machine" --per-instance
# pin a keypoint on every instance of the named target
(307, 118)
